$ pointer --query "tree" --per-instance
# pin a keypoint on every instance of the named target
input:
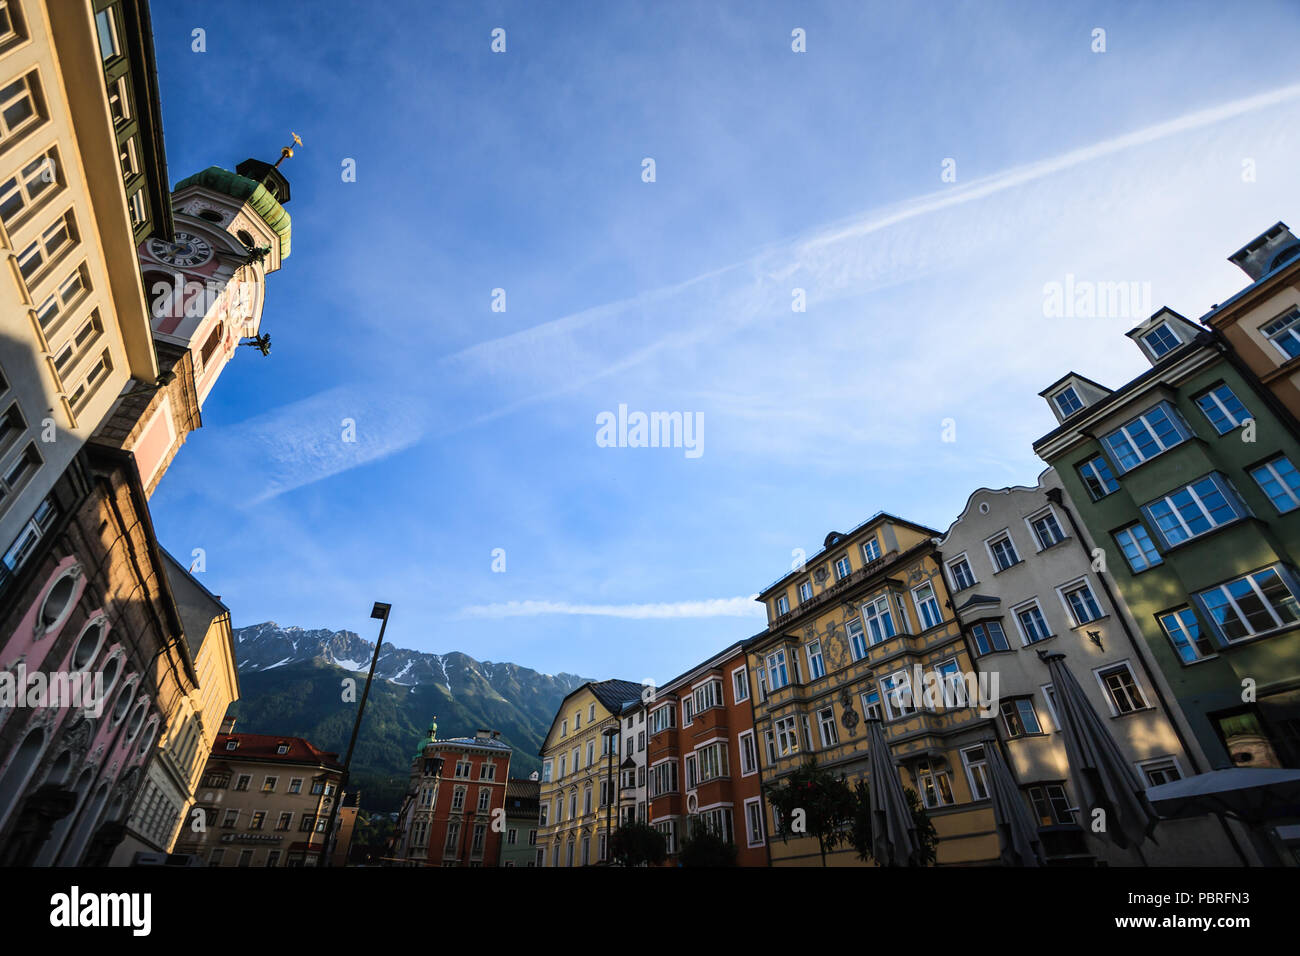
(813, 802)
(637, 843)
(927, 838)
(706, 847)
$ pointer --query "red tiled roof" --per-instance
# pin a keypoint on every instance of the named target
(265, 747)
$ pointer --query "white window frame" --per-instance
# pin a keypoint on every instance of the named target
(870, 550)
(753, 752)
(1106, 692)
(993, 560)
(983, 765)
(1020, 627)
(753, 839)
(738, 684)
(951, 563)
(1071, 586)
(1151, 349)
(1144, 765)
(1060, 407)
(1035, 537)
(918, 604)
(833, 739)
(843, 572)
(818, 657)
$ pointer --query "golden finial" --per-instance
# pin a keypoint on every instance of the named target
(286, 152)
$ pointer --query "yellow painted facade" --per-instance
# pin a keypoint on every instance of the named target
(827, 659)
(575, 764)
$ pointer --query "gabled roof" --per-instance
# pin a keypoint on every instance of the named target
(613, 694)
(265, 747)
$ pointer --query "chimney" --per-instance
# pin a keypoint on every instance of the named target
(481, 734)
(496, 734)
(228, 725)
(1266, 252)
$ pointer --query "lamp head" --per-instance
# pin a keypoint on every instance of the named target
(380, 611)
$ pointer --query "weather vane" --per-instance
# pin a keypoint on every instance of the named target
(260, 342)
(286, 152)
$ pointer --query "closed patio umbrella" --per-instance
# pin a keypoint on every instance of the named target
(1250, 794)
(1016, 829)
(1101, 773)
(893, 832)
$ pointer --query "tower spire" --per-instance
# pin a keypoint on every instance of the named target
(286, 152)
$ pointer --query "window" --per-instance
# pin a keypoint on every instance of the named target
(1033, 626)
(591, 753)
(717, 822)
(591, 714)
(669, 830)
(816, 666)
(776, 670)
(871, 705)
(754, 822)
(879, 619)
(1279, 479)
(896, 689)
(787, 737)
(1097, 478)
(826, 724)
(295, 785)
(10, 25)
(1184, 632)
(1019, 717)
(544, 813)
(1047, 530)
(962, 576)
(707, 695)
(857, 640)
(453, 838)
(577, 720)
(989, 637)
(19, 106)
(1161, 770)
(762, 683)
(1068, 401)
(976, 763)
(1050, 804)
(480, 833)
(870, 551)
(1122, 691)
(712, 762)
(1154, 431)
(782, 605)
(458, 798)
(576, 758)
(1254, 604)
(927, 606)
(484, 796)
(640, 742)
(740, 684)
(243, 781)
(662, 719)
(106, 27)
(1223, 409)
(1161, 340)
(230, 819)
(935, 786)
(548, 767)
(564, 727)
(1138, 548)
(21, 191)
(805, 592)
(1193, 510)
(842, 568)
(1284, 333)
(1081, 603)
(1003, 551)
(688, 712)
(268, 785)
(748, 753)
(259, 817)
(663, 778)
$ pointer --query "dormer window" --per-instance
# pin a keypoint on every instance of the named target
(1161, 340)
(232, 744)
(282, 749)
(1067, 401)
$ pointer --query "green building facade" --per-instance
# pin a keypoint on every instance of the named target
(1186, 478)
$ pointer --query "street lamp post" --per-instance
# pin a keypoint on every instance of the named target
(380, 613)
(611, 734)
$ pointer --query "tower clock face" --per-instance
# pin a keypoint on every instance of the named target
(187, 250)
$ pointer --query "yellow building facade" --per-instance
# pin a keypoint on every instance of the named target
(862, 629)
(580, 774)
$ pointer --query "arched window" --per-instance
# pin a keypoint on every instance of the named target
(19, 771)
(88, 644)
(59, 600)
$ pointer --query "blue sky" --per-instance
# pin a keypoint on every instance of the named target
(774, 170)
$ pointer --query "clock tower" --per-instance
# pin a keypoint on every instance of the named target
(205, 292)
